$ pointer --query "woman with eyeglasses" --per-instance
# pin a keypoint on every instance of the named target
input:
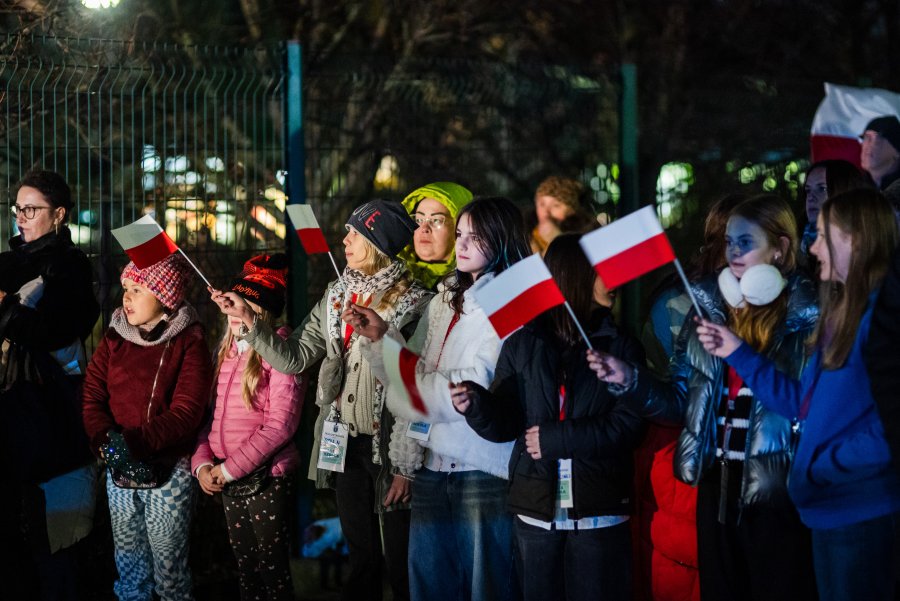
(47, 309)
(460, 536)
(431, 256)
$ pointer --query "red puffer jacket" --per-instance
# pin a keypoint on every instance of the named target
(665, 524)
(244, 438)
(155, 393)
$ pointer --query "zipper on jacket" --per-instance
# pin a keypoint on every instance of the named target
(225, 406)
(162, 359)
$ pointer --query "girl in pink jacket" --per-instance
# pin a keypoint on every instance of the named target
(247, 453)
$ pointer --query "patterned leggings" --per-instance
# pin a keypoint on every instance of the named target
(150, 531)
(258, 529)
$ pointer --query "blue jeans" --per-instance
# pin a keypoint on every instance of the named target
(460, 538)
(856, 561)
(577, 565)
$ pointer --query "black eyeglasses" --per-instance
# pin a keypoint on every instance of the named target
(28, 211)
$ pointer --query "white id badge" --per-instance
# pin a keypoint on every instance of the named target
(418, 430)
(565, 483)
(333, 448)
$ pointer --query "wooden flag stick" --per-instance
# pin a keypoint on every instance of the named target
(336, 270)
(578, 325)
(202, 277)
(687, 287)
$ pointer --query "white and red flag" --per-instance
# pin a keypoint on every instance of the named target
(308, 229)
(843, 115)
(628, 247)
(145, 242)
(518, 295)
(400, 365)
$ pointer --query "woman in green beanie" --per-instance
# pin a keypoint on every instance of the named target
(431, 255)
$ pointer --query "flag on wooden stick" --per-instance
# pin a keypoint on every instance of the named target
(628, 248)
(400, 365)
(145, 242)
(307, 227)
(518, 295)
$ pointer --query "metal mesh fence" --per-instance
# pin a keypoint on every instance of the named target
(195, 137)
(383, 129)
(190, 135)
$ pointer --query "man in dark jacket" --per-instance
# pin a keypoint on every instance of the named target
(880, 153)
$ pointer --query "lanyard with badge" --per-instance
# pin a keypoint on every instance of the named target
(335, 433)
(421, 430)
(564, 494)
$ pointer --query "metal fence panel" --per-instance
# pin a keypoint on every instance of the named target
(383, 128)
(191, 135)
(195, 136)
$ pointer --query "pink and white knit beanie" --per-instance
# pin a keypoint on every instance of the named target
(166, 279)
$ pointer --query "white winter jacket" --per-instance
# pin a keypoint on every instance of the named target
(469, 352)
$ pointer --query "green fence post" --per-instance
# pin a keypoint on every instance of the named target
(628, 179)
(295, 183)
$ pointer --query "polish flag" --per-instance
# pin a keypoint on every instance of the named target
(628, 247)
(843, 115)
(145, 242)
(308, 229)
(400, 365)
(518, 295)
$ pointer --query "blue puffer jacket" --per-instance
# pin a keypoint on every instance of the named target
(842, 473)
(692, 397)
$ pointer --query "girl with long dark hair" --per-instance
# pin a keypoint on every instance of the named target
(571, 467)
(460, 534)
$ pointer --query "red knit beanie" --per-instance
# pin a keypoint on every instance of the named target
(165, 280)
(264, 282)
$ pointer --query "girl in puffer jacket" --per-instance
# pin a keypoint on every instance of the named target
(353, 452)
(751, 543)
(247, 452)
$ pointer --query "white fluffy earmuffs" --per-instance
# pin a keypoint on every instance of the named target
(760, 285)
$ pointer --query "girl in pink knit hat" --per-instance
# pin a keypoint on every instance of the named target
(144, 397)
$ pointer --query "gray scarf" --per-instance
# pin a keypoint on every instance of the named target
(176, 323)
(360, 283)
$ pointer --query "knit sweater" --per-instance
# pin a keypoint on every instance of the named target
(467, 352)
(319, 337)
(841, 473)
